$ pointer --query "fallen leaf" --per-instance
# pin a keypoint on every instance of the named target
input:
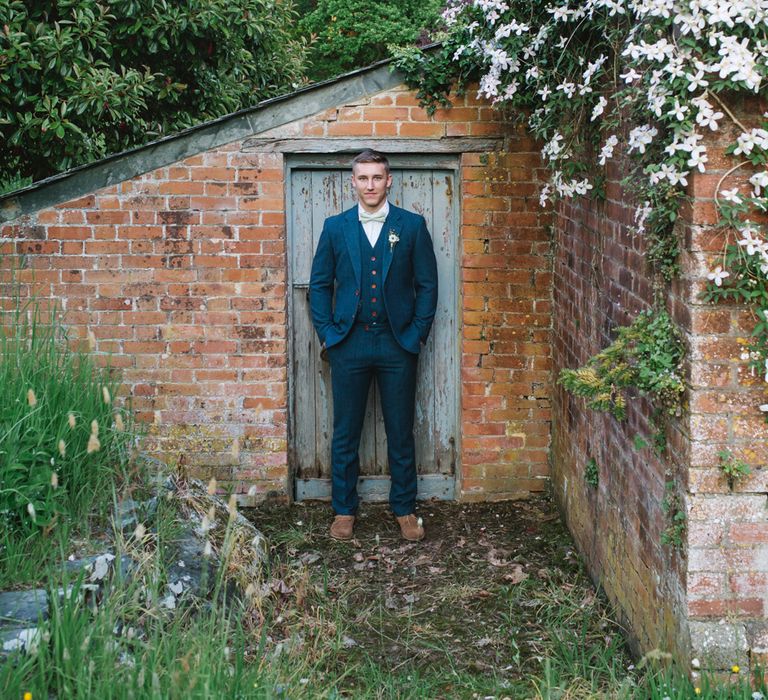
(495, 558)
(281, 586)
(516, 575)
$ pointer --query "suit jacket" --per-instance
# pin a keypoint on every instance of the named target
(409, 278)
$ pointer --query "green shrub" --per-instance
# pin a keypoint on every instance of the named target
(63, 442)
(347, 34)
(81, 79)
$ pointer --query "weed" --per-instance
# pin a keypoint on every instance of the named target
(677, 521)
(63, 442)
(733, 469)
(592, 473)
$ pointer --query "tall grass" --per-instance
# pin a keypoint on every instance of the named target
(63, 442)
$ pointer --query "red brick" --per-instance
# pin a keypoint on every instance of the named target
(748, 533)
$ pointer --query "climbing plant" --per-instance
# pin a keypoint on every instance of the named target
(643, 81)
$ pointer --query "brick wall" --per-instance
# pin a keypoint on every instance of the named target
(507, 308)
(707, 598)
(728, 529)
(600, 282)
(181, 275)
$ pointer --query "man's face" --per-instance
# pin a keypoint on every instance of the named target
(371, 183)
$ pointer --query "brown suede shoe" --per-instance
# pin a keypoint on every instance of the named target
(410, 527)
(342, 526)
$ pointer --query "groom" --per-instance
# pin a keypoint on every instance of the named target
(373, 295)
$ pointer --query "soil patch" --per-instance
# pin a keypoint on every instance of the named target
(495, 590)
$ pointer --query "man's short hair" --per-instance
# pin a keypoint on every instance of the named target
(371, 156)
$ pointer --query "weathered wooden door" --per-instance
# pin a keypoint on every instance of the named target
(321, 187)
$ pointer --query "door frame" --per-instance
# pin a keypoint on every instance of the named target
(373, 488)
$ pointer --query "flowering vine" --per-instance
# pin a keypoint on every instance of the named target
(639, 79)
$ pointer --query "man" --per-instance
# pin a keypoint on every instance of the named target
(373, 295)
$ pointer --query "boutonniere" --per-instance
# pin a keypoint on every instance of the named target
(393, 239)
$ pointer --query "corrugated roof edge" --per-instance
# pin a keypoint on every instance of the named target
(250, 121)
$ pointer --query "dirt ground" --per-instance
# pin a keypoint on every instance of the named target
(493, 591)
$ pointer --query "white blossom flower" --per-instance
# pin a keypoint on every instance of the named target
(749, 241)
(747, 142)
(630, 76)
(559, 14)
(738, 63)
(696, 80)
(553, 148)
(706, 115)
(669, 173)
(759, 182)
(489, 85)
(678, 111)
(718, 275)
(532, 74)
(544, 195)
(641, 214)
(698, 159)
(599, 108)
(731, 195)
(514, 27)
(640, 137)
(606, 151)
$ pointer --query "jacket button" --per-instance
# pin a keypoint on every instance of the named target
(357, 292)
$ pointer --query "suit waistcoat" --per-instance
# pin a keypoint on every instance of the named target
(372, 309)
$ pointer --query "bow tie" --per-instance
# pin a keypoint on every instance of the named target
(379, 216)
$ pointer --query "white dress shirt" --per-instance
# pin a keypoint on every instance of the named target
(373, 228)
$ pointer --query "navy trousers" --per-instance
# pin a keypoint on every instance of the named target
(367, 352)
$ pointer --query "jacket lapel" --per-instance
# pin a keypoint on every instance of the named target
(352, 238)
(393, 224)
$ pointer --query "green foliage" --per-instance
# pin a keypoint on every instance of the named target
(592, 473)
(13, 183)
(647, 355)
(62, 440)
(82, 79)
(733, 469)
(434, 74)
(677, 521)
(660, 216)
(347, 34)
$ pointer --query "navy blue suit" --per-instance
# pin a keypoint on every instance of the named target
(402, 283)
